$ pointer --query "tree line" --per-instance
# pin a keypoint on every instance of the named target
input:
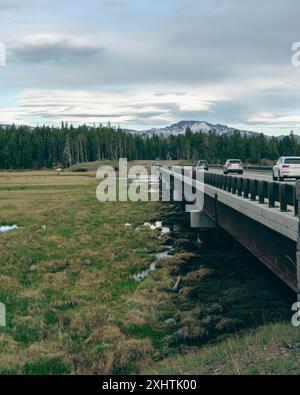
(24, 147)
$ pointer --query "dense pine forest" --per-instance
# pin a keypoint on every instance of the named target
(44, 147)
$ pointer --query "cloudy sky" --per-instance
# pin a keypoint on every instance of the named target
(149, 63)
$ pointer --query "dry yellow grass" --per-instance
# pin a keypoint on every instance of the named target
(44, 178)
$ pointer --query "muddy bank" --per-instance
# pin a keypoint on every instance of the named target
(222, 290)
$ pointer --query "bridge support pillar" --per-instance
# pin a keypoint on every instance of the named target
(298, 243)
(206, 228)
(201, 220)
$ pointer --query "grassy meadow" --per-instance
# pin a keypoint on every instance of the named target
(73, 307)
(66, 277)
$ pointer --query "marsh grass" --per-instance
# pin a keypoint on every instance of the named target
(270, 349)
(66, 273)
(73, 307)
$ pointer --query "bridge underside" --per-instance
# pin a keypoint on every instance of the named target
(277, 252)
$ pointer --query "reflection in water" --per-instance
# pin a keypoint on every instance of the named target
(145, 273)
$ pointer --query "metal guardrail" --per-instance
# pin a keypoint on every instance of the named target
(256, 168)
(259, 169)
(274, 192)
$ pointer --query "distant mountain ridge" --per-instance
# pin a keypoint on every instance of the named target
(180, 128)
(195, 126)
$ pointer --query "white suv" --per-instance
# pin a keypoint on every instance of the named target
(287, 167)
(233, 166)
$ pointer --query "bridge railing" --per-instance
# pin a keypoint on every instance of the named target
(275, 194)
(266, 192)
(259, 169)
(247, 167)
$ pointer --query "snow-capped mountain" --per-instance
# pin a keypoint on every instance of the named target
(195, 126)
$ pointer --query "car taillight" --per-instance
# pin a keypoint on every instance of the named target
(285, 166)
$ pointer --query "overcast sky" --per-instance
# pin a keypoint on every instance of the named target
(149, 63)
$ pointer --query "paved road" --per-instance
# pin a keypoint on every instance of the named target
(252, 174)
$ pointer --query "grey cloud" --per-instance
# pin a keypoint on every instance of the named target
(206, 44)
(174, 43)
(9, 4)
(52, 115)
(149, 114)
(59, 50)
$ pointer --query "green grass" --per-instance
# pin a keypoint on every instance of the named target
(53, 366)
(74, 308)
(271, 349)
(66, 277)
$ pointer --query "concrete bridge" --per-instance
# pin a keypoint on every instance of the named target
(261, 214)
